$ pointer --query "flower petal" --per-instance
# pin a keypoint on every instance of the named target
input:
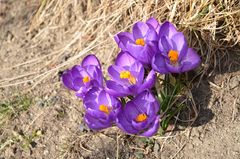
(141, 53)
(116, 90)
(190, 61)
(154, 23)
(180, 44)
(165, 45)
(76, 71)
(114, 73)
(153, 129)
(149, 82)
(78, 83)
(173, 68)
(131, 111)
(144, 101)
(151, 35)
(91, 60)
(167, 29)
(122, 39)
(124, 124)
(124, 59)
(95, 73)
(140, 29)
(97, 114)
(103, 98)
(159, 65)
(94, 123)
(91, 95)
(140, 125)
(68, 81)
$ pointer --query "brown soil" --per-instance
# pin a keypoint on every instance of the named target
(52, 126)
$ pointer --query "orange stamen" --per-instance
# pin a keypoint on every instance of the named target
(141, 117)
(86, 79)
(173, 56)
(129, 76)
(104, 109)
(140, 42)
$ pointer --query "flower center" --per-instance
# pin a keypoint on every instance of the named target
(104, 109)
(140, 41)
(129, 76)
(141, 117)
(173, 56)
(86, 79)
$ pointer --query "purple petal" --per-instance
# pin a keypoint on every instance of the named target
(91, 60)
(173, 68)
(149, 82)
(103, 98)
(75, 71)
(124, 59)
(144, 102)
(159, 64)
(141, 53)
(180, 43)
(137, 70)
(68, 81)
(154, 23)
(131, 111)
(116, 90)
(94, 123)
(90, 104)
(140, 29)
(124, 124)
(97, 114)
(114, 72)
(165, 45)
(140, 125)
(95, 74)
(167, 29)
(151, 35)
(153, 129)
(190, 61)
(78, 83)
(122, 39)
(91, 95)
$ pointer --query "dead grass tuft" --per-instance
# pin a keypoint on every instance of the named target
(79, 27)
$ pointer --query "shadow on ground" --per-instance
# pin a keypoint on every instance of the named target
(202, 93)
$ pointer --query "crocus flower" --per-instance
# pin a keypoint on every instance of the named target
(101, 109)
(175, 56)
(127, 76)
(82, 77)
(142, 42)
(139, 116)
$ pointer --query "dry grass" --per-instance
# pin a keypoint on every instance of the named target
(85, 26)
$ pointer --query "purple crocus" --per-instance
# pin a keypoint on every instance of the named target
(142, 42)
(175, 56)
(81, 78)
(101, 109)
(139, 116)
(127, 76)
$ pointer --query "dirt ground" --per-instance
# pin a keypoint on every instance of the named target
(44, 120)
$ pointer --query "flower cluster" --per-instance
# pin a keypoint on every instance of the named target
(126, 100)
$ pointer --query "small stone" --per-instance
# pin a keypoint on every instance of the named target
(156, 149)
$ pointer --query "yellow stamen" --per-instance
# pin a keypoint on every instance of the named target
(104, 109)
(86, 79)
(129, 76)
(173, 56)
(125, 74)
(141, 117)
(140, 42)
